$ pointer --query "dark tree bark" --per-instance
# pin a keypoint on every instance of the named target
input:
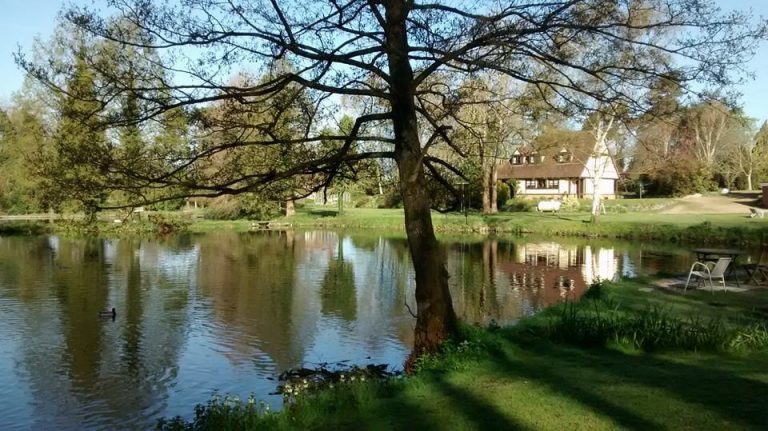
(436, 318)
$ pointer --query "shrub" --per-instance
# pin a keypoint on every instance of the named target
(390, 199)
(502, 193)
(596, 290)
(364, 201)
(166, 223)
(518, 205)
(247, 205)
(222, 413)
(23, 228)
(570, 203)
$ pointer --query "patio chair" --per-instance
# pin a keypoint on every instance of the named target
(717, 271)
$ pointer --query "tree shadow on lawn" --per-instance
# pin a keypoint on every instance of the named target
(577, 218)
(652, 390)
(738, 400)
(323, 212)
(411, 410)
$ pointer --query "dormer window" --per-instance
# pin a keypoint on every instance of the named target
(563, 156)
(517, 160)
(533, 158)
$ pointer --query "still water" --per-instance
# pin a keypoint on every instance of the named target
(228, 312)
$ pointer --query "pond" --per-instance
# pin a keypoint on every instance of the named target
(229, 311)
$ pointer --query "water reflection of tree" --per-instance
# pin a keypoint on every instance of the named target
(80, 367)
(473, 282)
(82, 288)
(250, 280)
(337, 291)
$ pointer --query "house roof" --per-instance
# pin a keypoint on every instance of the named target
(579, 144)
(549, 168)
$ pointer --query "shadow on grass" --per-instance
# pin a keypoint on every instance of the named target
(425, 409)
(733, 398)
(476, 410)
(323, 212)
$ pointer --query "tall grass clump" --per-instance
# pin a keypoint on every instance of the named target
(599, 322)
(462, 351)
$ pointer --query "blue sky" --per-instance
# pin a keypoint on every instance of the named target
(22, 20)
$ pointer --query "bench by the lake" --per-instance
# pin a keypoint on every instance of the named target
(550, 205)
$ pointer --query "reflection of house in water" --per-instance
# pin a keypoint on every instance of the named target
(502, 281)
(550, 272)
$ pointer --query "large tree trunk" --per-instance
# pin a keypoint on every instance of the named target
(435, 317)
(290, 208)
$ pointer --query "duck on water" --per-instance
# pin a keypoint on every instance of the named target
(111, 314)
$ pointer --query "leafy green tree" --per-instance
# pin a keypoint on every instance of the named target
(76, 165)
(23, 130)
(760, 153)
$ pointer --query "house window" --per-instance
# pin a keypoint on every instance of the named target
(541, 183)
(563, 157)
(532, 159)
(516, 160)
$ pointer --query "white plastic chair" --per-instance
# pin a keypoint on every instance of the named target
(706, 273)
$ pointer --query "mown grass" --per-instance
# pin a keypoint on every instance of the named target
(521, 378)
(711, 228)
(638, 219)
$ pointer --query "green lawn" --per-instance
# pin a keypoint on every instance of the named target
(712, 228)
(515, 379)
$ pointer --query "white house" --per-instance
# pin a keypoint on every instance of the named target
(573, 168)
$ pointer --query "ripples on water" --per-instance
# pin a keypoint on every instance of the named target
(227, 312)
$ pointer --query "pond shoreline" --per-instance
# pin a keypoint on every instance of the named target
(707, 229)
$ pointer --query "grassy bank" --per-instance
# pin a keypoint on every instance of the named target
(708, 228)
(526, 377)
(699, 228)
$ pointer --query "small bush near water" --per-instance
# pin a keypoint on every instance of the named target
(598, 322)
(304, 391)
(223, 413)
(23, 228)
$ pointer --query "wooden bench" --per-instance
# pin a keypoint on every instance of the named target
(756, 212)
